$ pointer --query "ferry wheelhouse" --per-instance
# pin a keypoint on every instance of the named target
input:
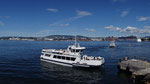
(72, 56)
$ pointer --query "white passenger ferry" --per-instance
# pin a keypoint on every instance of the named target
(72, 56)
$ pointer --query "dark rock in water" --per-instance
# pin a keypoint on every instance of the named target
(140, 69)
(133, 65)
(147, 78)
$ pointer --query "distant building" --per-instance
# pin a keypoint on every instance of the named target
(96, 39)
(28, 39)
(110, 38)
(14, 38)
(48, 39)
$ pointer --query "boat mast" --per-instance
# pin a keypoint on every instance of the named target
(75, 40)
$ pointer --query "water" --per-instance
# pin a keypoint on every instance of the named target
(20, 63)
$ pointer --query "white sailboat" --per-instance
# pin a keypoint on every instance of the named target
(139, 40)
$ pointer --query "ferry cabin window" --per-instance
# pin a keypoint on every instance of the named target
(54, 56)
(59, 57)
(73, 59)
(63, 58)
(79, 50)
(48, 55)
(73, 50)
(76, 50)
(55, 52)
(67, 58)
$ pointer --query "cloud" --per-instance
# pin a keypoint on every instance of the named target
(130, 29)
(124, 13)
(52, 10)
(112, 28)
(65, 25)
(144, 31)
(127, 29)
(79, 14)
(4, 17)
(143, 18)
(1, 23)
(90, 30)
(147, 27)
(137, 30)
(59, 24)
(109, 27)
(83, 13)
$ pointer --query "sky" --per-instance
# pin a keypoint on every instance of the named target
(95, 18)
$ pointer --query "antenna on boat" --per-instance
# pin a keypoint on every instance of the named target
(75, 40)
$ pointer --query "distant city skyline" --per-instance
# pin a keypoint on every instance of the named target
(94, 18)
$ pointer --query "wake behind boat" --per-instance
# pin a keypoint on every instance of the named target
(72, 56)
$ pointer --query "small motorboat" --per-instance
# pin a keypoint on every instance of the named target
(112, 44)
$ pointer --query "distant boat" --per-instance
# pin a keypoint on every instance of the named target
(112, 44)
(139, 40)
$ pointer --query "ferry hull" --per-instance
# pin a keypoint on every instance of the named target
(77, 65)
(86, 66)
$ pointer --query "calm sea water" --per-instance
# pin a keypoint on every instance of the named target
(20, 63)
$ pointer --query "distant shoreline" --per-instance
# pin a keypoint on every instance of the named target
(72, 38)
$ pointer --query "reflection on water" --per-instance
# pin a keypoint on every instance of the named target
(125, 76)
(70, 74)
